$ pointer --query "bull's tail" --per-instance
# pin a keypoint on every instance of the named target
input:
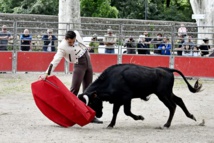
(197, 86)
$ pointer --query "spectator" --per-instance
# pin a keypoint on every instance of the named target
(141, 45)
(147, 41)
(109, 41)
(205, 47)
(131, 46)
(165, 47)
(5, 36)
(157, 41)
(49, 41)
(196, 52)
(188, 47)
(179, 42)
(25, 40)
(182, 31)
(94, 44)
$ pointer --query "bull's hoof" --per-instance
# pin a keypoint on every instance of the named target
(192, 117)
(166, 125)
(140, 117)
(110, 127)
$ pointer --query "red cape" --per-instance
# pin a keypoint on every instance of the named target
(58, 104)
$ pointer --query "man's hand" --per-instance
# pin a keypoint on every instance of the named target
(109, 44)
(43, 77)
(50, 37)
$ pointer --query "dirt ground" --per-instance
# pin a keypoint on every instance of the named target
(22, 122)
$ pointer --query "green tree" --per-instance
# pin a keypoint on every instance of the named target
(8, 5)
(30, 6)
(176, 10)
(98, 8)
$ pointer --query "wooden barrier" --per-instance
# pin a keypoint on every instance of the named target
(39, 61)
(36, 61)
(100, 62)
(6, 59)
(195, 66)
(147, 60)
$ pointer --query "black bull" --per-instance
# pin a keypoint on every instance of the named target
(118, 84)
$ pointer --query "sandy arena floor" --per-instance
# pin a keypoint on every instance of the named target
(22, 122)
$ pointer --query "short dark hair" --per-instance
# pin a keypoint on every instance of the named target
(206, 40)
(70, 35)
(160, 34)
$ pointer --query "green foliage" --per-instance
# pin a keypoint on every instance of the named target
(178, 10)
(30, 6)
(8, 5)
(98, 8)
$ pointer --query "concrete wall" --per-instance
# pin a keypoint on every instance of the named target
(38, 25)
(90, 25)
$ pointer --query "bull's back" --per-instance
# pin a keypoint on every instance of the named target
(138, 80)
(146, 80)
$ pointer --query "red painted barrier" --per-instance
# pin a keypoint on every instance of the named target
(6, 61)
(39, 61)
(100, 62)
(195, 66)
(147, 60)
(36, 61)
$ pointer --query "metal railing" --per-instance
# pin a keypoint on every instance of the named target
(122, 32)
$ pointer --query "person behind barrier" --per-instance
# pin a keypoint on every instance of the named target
(179, 45)
(94, 44)
(165, 47)
(205, 47)
(73, 50)
(196, 52)
(141, 45)
(157, 41)
(5, 36)
(147, 40)
(49, 39)
(109, 41)
(131, 46)
(25, 40)
(182, 31)
(188, 47)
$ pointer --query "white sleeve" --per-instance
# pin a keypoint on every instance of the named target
(56, 60)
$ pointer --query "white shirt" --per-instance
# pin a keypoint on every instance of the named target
(110, 39)
(70, 53)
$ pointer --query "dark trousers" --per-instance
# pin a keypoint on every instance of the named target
(82, 73)
(3, 48)
(25, 48)
(131, 51)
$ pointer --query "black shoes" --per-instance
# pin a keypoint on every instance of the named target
(95, 120)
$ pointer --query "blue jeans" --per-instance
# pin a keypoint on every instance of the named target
(110, 51)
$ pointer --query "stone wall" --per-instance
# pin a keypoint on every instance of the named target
(39, 23)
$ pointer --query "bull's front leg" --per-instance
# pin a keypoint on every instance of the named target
(116, 108)
(127, 110)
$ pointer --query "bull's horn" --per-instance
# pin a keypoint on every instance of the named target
(86, 99)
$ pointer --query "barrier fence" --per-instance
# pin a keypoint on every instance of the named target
(35, 60)
(39, 61)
